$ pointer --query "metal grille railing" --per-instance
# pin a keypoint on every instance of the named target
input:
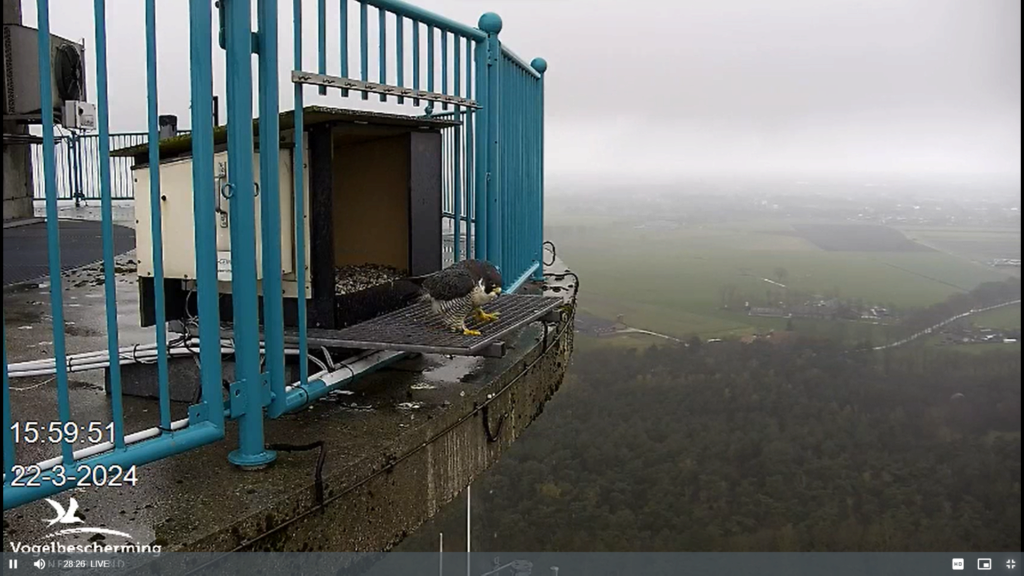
(493, 188)
(493, 172)
(77, 158)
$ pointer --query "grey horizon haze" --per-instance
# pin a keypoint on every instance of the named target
(659, 90)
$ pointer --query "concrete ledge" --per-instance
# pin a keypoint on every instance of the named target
(373, 503)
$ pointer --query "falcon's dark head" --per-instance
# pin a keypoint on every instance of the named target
(485, 274)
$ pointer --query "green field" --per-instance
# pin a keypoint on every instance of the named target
(671, 281)
(1002, 318)
(972, 244)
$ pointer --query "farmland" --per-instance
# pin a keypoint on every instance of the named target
(1004, 318)
(976, 245)
(670, 280)
(858, 238)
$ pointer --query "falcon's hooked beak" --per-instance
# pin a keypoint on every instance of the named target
(497, 290)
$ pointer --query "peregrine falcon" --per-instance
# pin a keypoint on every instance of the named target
(461, 289)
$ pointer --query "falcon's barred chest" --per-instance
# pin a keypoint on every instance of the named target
(454, 312)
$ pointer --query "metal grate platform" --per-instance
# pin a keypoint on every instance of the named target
(415, 329)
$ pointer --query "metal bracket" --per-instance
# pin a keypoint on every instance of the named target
(314, 79)
(494, 350)
(198, 413)
(236, 399)
(265, 389)
(553, 317)
(236, 395)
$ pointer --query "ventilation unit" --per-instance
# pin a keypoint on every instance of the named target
(21, 73)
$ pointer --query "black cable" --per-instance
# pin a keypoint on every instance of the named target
(318, 477)
(492, 437)
(554, 252)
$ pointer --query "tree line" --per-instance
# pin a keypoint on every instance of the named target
(761, 447)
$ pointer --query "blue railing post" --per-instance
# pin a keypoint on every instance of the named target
(480, 152)
(270, 204)
(109, 288)
(541, 66)
(490, 100)
(156, 220)
(251, 452)
(298, 162)
(52, 227)
(205, 194)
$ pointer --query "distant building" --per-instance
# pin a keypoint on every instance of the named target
(768, 312)
(811, 311)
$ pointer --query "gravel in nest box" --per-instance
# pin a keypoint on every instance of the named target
(353, 278)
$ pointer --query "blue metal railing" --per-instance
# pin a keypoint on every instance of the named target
(205, 422)
(520, 153)
(79, 168)
(493, 172)
(492, 204)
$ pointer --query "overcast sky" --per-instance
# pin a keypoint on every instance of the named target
(661, 89)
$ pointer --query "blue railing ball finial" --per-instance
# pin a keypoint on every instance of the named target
(540, 65)
(490, 23)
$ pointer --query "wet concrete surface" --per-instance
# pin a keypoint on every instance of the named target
(123, 211)
(26, 248)
(399, 443)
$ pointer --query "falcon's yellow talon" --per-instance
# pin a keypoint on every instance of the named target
(482, 316)
(468, 332)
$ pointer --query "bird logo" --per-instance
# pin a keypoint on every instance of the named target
(69, 516)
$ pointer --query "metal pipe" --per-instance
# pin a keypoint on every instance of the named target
(343, 25)
(481, 150)
(270, 201)
(415, 60)
(208, 297)
(430, 58)
(382, 58)
(541, 66)
(156, 214)
(106, 208)
(522, 278)
(321, 42)
(52, 230)
(299, 187)
(444, 66)
(251, 452)
(470, 151)
(301, 395)
(491, 23)
(364, 43)
(400, 54)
